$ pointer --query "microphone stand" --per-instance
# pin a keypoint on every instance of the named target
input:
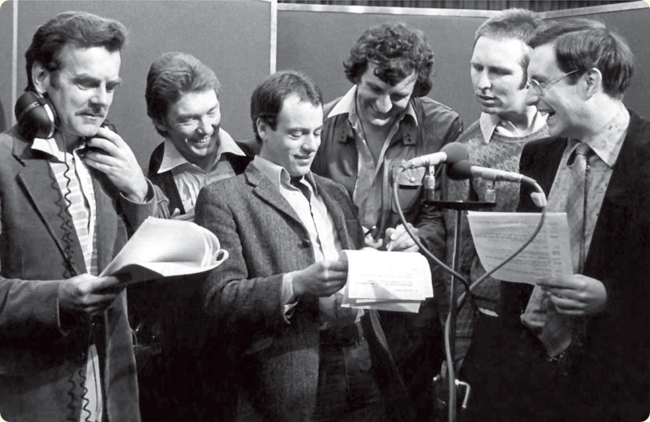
(450, 329)
(459, 207)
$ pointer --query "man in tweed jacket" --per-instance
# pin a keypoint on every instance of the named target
(293, 353)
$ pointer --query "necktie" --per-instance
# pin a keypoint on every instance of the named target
(555, 330)
(576, 206)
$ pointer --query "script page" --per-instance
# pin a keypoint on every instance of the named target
(392, 281)
(498, 235)
(166, 248)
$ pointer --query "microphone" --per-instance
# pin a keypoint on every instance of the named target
(463, 169)
(450, 153)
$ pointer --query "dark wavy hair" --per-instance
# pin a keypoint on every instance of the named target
(80, 29)
(582, 44)
(397, 52)
(170, 76)
(269, 96)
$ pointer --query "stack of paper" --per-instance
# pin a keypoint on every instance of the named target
(390, 281)
(166, 248)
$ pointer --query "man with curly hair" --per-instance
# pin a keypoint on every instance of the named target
(381, 121)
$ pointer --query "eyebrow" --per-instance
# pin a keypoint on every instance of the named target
(95, 81)
(196, 115)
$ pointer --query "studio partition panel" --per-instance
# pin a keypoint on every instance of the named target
(232, 37)
(316, 39)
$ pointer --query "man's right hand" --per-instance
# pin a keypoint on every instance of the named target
(321, 279)
(87, 293)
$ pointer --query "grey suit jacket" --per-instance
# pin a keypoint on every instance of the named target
(39, 361)
(276, 363)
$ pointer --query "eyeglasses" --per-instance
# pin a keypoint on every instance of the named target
(540, 88)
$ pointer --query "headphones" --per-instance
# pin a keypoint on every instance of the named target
(36, 114)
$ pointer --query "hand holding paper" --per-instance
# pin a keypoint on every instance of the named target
(393, 281)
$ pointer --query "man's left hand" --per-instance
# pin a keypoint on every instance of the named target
(113, 157)
(576, 295)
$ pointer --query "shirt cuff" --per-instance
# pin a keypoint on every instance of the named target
(289, 301)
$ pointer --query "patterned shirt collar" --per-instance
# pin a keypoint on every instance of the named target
(609, 139)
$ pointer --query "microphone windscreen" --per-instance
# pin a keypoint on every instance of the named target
(460, 170)
(455, 152)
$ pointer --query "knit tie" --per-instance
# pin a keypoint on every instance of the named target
(553, 329)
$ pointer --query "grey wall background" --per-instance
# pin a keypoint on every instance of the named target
(236, 39)
(317, 42)
(232, 37)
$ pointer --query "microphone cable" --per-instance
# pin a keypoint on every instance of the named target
(461, 299)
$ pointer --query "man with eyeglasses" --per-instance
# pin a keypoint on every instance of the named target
(578, 348)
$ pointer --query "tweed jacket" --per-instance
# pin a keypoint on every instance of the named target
(276, 362)
(615, 369)
(40, 359)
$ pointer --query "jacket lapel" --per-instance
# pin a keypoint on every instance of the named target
(263, 188)
(336, 212)
(42, 190)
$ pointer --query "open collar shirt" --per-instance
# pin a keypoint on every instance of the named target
(369, 188)
(190, 178)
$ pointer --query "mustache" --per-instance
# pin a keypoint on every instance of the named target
(98, 112)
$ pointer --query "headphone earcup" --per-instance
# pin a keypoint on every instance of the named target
(36, 115)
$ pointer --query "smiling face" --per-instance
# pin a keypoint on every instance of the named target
(561, 101)
(296, 138)
(192, 124)
(379, 103)
(498, 77)
(82, 89)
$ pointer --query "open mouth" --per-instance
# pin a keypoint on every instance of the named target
(547, 113)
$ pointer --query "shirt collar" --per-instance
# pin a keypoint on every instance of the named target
(278, 175)
(609, 139)
(172, 158)
(347, 105)
(491, 122)
(50, 147)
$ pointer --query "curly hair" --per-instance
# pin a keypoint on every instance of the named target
(80, 29)
(397, 52)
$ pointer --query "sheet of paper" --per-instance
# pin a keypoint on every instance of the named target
(376, 274)
(389, 281)
(498, 235)
(165, 248)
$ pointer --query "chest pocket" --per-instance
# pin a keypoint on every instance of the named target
(409, 184)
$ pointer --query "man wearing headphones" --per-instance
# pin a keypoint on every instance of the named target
(71, 192)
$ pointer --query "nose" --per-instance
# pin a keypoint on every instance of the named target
(102, 97)
(483, 81)
(312, 142)
(532, 97)
(383, 104)
(205, 127)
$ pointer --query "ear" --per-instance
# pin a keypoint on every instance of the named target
(262, 128)
(159, 125)
(593, 82)
(40, 77)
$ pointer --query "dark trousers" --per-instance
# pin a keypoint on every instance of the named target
(347, 384)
